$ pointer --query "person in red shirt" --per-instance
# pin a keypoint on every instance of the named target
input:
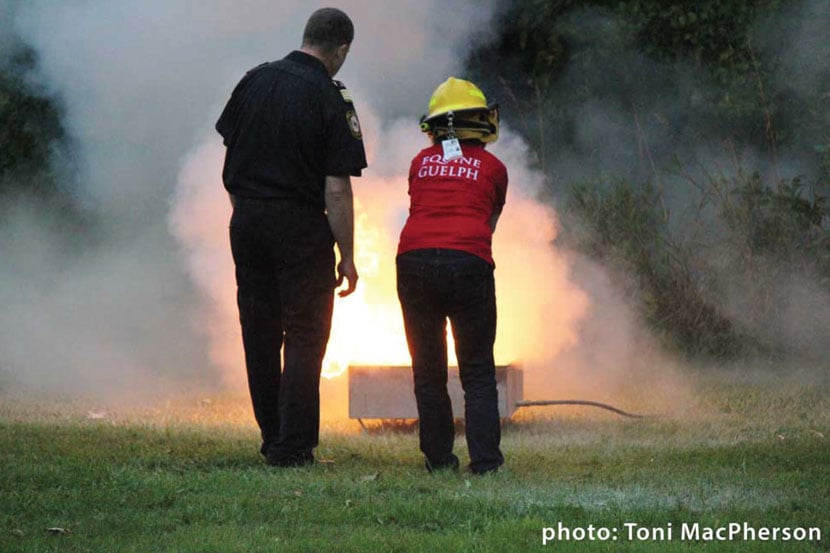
(445, 271)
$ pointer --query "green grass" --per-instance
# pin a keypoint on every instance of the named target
(157, 481)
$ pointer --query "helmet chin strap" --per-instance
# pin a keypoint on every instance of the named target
(463, 124)
(450, 127)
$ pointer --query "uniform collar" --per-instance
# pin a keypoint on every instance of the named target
(307, 60)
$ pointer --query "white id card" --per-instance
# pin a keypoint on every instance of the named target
(452, 149)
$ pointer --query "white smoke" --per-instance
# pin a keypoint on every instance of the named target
(8, 38)
(149, 303)
(141, 83)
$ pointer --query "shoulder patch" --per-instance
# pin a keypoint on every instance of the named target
(347, 96)
(354, 124)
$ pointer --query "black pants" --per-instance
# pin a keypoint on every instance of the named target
(434, 285)
(285, 276)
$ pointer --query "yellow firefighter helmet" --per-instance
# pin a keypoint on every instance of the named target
(460, 108)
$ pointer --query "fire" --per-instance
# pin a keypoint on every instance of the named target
(367, 327)
(367, 333)
(538, 306)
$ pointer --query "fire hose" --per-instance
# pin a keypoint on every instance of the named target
(581, 402)
(525, 403)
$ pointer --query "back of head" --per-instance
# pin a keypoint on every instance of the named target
(459, 109)
(327, 29)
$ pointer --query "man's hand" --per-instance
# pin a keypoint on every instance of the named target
(347, 270)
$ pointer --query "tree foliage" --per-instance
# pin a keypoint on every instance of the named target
(641, 112)
(30, 129)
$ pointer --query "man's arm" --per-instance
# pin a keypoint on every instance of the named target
(340, 213)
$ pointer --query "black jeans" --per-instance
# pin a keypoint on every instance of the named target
(285, 276)
(433, 285)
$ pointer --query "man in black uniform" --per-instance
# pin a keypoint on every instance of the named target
(293, 141)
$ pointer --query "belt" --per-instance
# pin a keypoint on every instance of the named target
(237, 201)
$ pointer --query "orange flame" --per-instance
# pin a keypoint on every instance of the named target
(367, 327)
(538, 305)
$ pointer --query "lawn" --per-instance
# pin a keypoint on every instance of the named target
(188, 478)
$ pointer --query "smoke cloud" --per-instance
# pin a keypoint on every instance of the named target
(147, 304)
(632, 117)
(137, 307)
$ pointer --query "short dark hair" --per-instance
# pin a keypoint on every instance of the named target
(328, 28)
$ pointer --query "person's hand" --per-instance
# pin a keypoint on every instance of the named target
(347, 270)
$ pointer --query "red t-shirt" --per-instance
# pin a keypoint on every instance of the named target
(451, 202)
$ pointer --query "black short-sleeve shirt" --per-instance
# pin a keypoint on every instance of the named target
(286, 126)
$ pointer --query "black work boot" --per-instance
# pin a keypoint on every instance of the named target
(451, 463)
(299, 459)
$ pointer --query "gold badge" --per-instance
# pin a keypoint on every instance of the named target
(354, 124)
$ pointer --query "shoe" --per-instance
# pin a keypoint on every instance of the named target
(480, 470)
(300, 459)
(451, 463)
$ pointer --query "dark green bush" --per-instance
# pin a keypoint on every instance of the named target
(627, 88)
(625, 227)
(764, 232)
(30, 131)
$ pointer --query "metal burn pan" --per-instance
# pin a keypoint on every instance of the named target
(387, 392)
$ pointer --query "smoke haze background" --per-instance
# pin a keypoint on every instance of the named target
(149, 306)
(141, 83)
(617, 114)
